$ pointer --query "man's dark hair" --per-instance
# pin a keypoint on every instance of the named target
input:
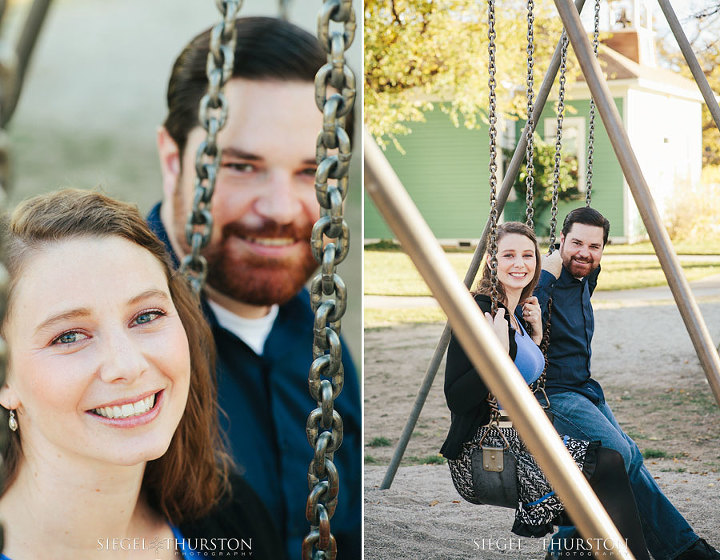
(589, 217)
(266, 49)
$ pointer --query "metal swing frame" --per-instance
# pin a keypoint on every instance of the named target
(402, 216)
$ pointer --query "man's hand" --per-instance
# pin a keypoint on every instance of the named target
(553, 263)
(533, 317)
(500, 326)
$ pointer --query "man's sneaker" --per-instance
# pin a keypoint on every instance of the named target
(701, 550)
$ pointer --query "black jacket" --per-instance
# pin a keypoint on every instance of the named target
(240, 515)
(465, 391)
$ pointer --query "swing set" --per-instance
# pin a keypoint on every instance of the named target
(464, 317)
(330, 235)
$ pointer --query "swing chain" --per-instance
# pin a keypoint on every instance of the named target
(591, 132)
(558, 140)
(328, 295)
(530, 150)
(492, 119)
(212, 116)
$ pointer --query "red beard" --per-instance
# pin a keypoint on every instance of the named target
(256, 279)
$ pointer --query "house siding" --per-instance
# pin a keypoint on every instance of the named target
(445, 170)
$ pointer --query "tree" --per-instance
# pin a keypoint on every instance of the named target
(421, 52)
(543, 167)
(705, 40)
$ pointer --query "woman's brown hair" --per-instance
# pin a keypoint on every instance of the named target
(483, 286)
(189, 478)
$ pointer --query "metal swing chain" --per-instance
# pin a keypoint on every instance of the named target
(492, 120)
(530, 150)
(212, 115)
(591, 132)
(558, 140)
(328, 295)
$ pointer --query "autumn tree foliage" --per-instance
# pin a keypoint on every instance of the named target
(420, 53)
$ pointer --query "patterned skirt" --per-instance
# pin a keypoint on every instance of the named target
(539, 508)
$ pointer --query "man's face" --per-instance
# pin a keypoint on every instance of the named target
(581, 250)
(264, 204)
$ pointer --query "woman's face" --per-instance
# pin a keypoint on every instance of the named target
(100, 364)
(516, 261)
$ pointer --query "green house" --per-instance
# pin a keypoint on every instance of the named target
(445, 169)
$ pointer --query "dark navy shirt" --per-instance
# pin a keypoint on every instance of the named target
(571, 330)
(265, 403)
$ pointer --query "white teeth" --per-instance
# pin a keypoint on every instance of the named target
(127, 410)
(272, 241)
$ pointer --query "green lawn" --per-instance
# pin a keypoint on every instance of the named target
(684, 247)
(392, 273)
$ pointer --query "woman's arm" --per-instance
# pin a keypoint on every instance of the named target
(464, 388)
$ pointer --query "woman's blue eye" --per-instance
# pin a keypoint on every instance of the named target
(148, 317)
(69, 338)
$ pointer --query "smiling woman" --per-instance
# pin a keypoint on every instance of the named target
(110, 392)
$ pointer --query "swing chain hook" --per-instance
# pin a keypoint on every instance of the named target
(212, 116)
(328, 297)
(591, 131)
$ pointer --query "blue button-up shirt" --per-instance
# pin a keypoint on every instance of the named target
(571, 330)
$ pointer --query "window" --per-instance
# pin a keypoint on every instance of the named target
(573, 142)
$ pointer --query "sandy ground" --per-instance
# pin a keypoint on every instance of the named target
(645, 361)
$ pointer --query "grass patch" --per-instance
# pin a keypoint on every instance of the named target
(709, 246)
(378, 318)
(391, 273)
(379, 442)
(654, 454)
(370, 460)
(429, 460)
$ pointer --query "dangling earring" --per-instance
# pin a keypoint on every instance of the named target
(12, 422)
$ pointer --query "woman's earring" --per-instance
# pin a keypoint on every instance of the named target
(12, 421)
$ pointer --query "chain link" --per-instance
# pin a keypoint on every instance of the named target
(530, 150)
(328, 295)
(558, 140)
(492, 119)
(212, 115)
(591, 131)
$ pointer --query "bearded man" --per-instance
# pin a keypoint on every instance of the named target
(577, 401)
(259, 259)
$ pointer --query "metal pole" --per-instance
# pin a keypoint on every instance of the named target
(486, 353)
(643, 199)
(508, 180)
(23, 51)
(691, 60)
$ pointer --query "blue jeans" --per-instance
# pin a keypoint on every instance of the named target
(666, 532)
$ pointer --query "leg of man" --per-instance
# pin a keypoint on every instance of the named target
(666, 532)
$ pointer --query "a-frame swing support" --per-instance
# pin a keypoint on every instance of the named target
(679, 287)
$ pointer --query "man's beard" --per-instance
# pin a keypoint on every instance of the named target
(256, 279)
(248, 278)
(575, 268)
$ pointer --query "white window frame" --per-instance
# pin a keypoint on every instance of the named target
(580, 152)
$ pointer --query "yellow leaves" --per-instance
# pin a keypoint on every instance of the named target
(420, 50)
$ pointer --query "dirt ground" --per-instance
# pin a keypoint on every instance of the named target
(643, 358)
